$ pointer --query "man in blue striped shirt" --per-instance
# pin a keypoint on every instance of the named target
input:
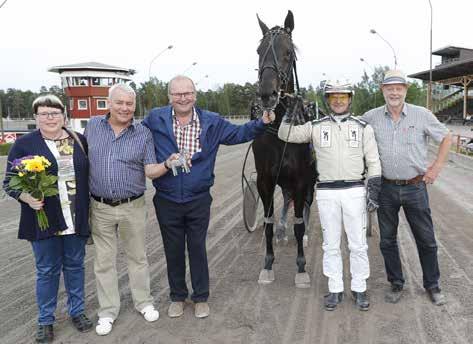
(121, 154)
(402, 131)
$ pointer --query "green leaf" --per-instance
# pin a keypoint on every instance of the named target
(37, 194)
(50, 192)
(15, 182)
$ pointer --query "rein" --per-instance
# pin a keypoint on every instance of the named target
(282, 75)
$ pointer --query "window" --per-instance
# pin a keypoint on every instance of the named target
(101, 104)
(96, 81)
(80, 81)
(83, 124)
(82, 104)
(71, 104)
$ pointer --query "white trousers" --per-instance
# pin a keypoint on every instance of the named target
(348, 207)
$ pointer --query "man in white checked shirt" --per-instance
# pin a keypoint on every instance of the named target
(182, 202)
(401, 131)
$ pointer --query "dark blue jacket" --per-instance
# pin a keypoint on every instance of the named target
(33, 144)
(215, 131)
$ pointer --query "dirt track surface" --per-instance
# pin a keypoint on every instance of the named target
(243, 311)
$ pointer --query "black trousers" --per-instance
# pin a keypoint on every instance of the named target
(181, 224)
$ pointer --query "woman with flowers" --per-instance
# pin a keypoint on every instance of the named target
(48, 174)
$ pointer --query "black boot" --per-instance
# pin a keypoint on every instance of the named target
(82, 323)
(393, 295)
(361, 300)
(332, 300)
(44, 334)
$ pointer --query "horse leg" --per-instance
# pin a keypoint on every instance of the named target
(302, 278)
(282, 224)
(306, 215)
(266, 275)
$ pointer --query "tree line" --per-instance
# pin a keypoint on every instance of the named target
(229, 99)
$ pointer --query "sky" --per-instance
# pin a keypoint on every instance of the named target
(222, 37)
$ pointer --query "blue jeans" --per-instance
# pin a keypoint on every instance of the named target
(51, 255)
(415, 202)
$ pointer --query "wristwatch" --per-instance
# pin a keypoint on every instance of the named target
(166, 164)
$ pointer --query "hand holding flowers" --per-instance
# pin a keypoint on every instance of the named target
(29, 176)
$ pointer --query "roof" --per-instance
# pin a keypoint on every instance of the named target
(94, 66)
(449, 50)
(446, 71)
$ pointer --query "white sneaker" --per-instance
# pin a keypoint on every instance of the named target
(150, 313)
(104, 326)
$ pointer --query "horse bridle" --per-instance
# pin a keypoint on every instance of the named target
(283, 75)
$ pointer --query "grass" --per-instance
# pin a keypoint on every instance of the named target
(5, 148)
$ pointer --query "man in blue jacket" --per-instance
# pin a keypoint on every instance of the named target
(182, 202)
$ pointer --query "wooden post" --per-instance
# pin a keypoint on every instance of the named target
(466, 82)
(465, 97)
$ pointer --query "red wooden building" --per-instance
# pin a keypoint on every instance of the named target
(86, 86)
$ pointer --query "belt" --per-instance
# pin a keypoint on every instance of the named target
(412, 181)
(115, 202)
(340, 184)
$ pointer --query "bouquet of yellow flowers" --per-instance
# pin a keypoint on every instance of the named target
(29, 175)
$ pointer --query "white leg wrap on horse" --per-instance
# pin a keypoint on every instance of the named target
(269, 219)
(298, 220)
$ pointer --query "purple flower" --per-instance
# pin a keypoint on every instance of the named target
(16, 163)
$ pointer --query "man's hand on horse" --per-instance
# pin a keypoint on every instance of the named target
(268, 116)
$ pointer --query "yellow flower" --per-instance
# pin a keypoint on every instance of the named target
(43, 160)
(21, 174)
(33, 165)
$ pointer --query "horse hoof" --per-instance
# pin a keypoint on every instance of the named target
(302, 280)
(266, 276)
(305, 241)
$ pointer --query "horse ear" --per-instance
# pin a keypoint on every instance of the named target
(289, 22)
(262, 25)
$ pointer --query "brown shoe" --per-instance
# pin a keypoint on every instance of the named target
(201, 310)
(176, 309)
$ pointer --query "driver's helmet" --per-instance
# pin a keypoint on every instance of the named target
(339, 87)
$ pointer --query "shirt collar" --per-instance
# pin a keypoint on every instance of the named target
(194, 118)
(403, 112)
(132, 124)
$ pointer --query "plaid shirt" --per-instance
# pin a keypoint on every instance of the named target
(187, 136)
(117, 163)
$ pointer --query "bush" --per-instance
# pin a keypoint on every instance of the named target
(5, 148)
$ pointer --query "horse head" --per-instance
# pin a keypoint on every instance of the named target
(276, 58)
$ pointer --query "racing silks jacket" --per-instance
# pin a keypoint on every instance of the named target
(344, 150)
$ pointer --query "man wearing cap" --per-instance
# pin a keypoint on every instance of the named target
(401, 131)
(345, 147)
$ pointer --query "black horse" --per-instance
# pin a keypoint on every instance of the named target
(290, 166)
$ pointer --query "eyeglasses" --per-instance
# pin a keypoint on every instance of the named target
(183, 94)
(338, 97)
(54, 114)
